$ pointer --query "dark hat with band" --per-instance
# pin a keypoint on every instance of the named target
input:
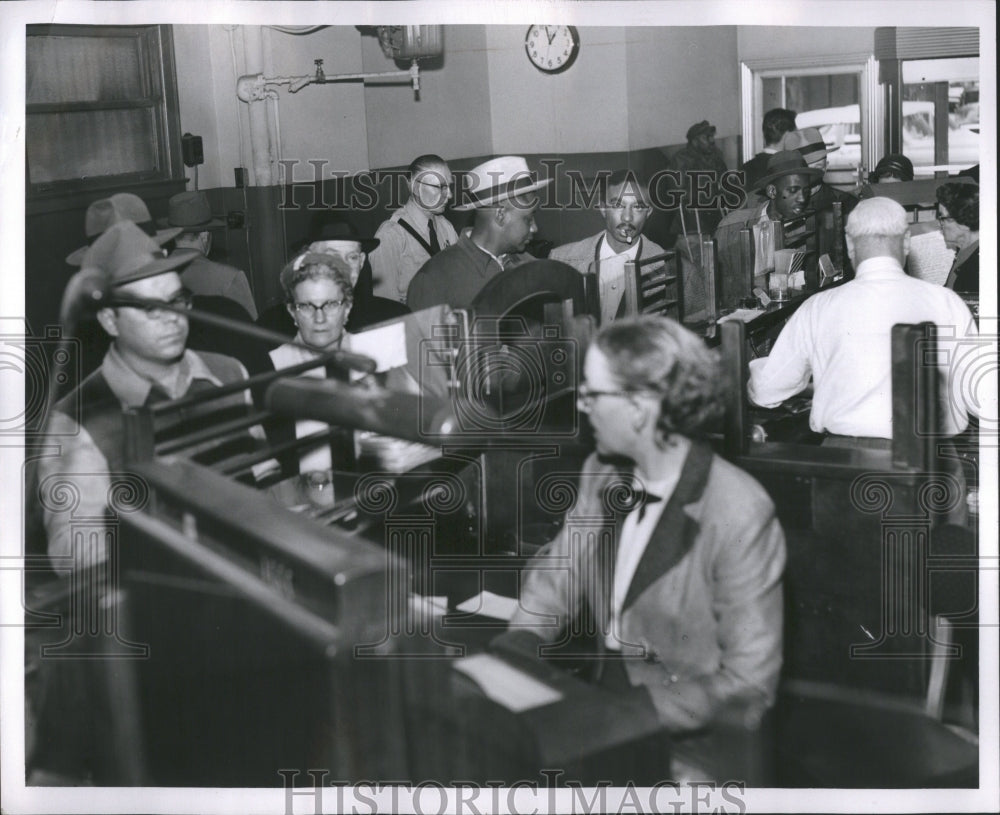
(125, 254)
(122, 206)
(190, 212)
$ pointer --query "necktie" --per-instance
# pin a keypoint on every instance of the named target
(432, 234)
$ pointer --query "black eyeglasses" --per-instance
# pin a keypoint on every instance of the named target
(159, 309)
(942, 218)
(438, 187)
(586, 395)
(313, 310)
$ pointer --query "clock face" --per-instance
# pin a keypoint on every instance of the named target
(552, 48)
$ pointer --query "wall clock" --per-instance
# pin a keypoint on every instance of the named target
(552, 48)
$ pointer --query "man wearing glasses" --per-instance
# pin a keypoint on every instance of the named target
(147, 362)
(416, 232)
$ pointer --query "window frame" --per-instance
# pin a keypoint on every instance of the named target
(156, 51)
(864, 66)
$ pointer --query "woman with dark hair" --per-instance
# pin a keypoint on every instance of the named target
(684, 582)
(892, 168)
(958, 215)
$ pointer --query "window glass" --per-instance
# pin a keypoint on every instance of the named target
(941, 87)
(100, 102)
(90, 144)
(829, 102)
(83, 69)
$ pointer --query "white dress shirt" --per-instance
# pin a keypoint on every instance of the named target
(635, 535)
(611, 276)
(841, 338)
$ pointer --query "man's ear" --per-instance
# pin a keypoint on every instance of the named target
(906, 244)
(108, 320)
(772, 191)
(363, 256)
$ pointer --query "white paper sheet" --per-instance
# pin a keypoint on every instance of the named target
(930, 259)
(490, 605)
(744, 314)
(385, 344)
(505, 684)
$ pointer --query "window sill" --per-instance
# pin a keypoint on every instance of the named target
(60, 200)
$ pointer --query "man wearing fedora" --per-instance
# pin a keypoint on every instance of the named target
(191, 213)
(702, 156)
(147, 362)
(788, 188)
(122, 206)
(500, 192)
(809, 142)
(416, 232)
(625, 207)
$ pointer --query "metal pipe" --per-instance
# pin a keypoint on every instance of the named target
(260, 132)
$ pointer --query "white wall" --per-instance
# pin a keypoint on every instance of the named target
(319, 122)
(629, 88)
(451, 117)
(678, 76)
(583, 109)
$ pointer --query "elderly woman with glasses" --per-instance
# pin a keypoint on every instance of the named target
(958, 215)
(318, 295)
(683, 584)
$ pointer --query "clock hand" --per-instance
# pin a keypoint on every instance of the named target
(550, 36)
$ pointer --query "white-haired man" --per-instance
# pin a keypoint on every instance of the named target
(840, 339)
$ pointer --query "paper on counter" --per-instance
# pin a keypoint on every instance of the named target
(385, 344)
(505, 684)
(930, 258)
(743, 314)
(435, 606)
(490, 605)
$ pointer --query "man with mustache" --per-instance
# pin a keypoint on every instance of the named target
(625, 206)
(787, 186)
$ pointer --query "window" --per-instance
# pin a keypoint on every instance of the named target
(101, 107)
(834, 96)
(941, 113)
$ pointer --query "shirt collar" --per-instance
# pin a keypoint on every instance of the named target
(608, 251)
(879, 267)
(486, 251)
(132, 388)
(413, 211)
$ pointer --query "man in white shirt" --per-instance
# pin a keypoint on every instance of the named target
(840, 339)
(625, 209)
(416, 232)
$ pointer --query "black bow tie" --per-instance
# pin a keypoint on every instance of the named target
(642, 500)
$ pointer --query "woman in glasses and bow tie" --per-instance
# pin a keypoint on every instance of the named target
(682, 584)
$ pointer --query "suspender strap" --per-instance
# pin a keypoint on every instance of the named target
(417, 237)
